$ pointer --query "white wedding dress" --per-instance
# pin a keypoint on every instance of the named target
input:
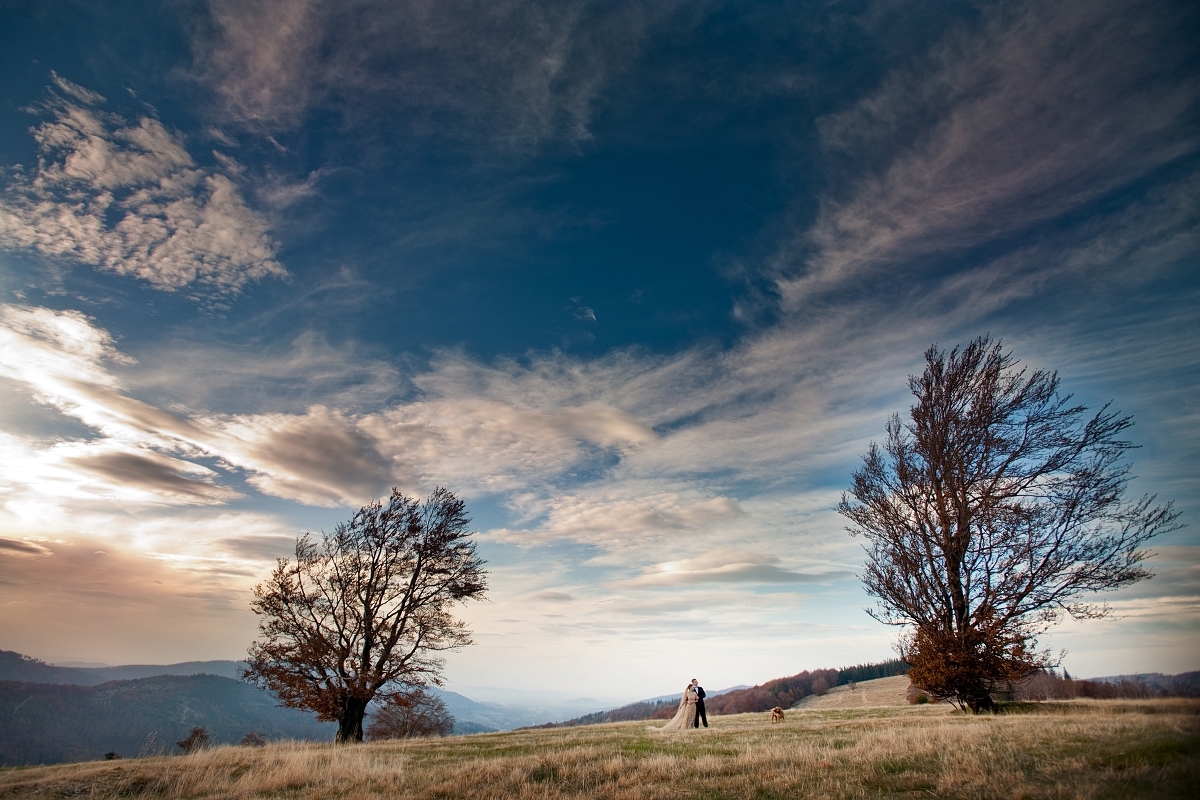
(685, 717)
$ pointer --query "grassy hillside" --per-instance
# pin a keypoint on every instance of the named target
(878, 693)
(1093, 749)
(49, 723)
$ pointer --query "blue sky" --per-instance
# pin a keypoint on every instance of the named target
(640, 281)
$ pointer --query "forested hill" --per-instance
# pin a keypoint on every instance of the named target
(49, 723)
(18, 667)
(779, 692)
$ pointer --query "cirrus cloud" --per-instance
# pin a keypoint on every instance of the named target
(514, 72)
(1042, 109)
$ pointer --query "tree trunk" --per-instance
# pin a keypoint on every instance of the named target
(350, 725)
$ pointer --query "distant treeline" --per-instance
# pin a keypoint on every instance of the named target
(1048, 686)
(870, 672)
(783, 692)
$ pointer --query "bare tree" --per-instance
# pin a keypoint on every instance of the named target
(362, 614)
(414, 713)
(989, 515)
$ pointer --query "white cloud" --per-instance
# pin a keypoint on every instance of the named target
(105, 469)
(497, 446)
(725, 565)
(321, 457)
(47, 348)
(127, 198)
(75, 90)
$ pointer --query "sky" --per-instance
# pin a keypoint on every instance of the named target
(641, 282)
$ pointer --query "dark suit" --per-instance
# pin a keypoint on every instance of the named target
(700, 715)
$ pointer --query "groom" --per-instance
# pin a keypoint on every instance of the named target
(700, 715)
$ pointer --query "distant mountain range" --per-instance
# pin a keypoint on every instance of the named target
(17, 667)
(47, 723)
(59, 713)
(476, 717)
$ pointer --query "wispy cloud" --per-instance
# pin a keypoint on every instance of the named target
(322, 456)
(725, 566)
(21, 548)
(72, 89)
(270, 376)
(514, 72)
(1043, 108)
(617, 520)
(127, 198)
(107, 470)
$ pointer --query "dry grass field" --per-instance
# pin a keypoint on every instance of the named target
(1077, 749)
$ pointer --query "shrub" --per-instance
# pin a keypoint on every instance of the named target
(414, 713)
(198, 739)
(917, 697)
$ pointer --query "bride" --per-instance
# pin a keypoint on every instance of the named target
(685, 717)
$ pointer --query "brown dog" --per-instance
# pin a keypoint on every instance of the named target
(776, 714)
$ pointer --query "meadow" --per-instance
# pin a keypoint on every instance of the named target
(1084, 749)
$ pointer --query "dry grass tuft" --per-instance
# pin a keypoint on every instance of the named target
(1076, 749)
